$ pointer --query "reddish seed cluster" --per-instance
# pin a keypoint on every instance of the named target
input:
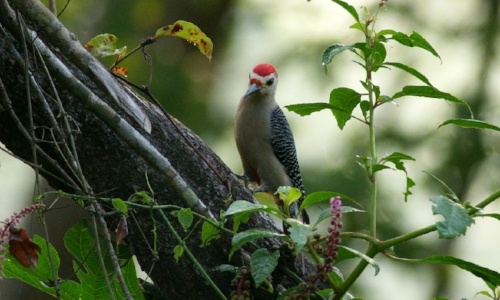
(330, 252)
(333, 240)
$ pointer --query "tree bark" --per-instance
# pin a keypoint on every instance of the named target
(92, 134)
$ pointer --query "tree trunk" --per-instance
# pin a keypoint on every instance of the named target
(85, 132)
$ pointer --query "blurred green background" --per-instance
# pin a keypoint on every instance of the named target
(292, 35)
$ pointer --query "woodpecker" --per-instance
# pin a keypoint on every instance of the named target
(264, 138)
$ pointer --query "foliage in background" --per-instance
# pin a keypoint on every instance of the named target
(345, 104)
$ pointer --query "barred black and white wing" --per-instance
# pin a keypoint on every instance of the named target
(283, 145)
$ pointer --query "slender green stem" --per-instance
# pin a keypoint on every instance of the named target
(371, 252)
(373, 155)
(485, 202)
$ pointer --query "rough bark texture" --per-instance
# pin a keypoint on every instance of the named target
(111, 165)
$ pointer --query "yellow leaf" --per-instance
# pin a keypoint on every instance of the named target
(189, 32)
(104, 45)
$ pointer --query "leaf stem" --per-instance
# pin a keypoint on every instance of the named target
(370, 252)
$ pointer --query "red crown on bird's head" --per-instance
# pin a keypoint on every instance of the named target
(264, 69)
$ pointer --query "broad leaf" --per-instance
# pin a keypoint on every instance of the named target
(244, 237)
(262, 264)
(448, 191)
(397, 159)
(346, 99)
(369, 260)
(429, 92)
(326, 214)
(414, 40)
(209, 233)
(243, 206)
(189, 32)
(298, 233)
(185, 218)
(487, 275)
(178, 252)
(471, 123)
(305, 109)
(105, 45)
(375, 55)
(324, 197)
(39, 277)
(120, 205)
(351, 10)
(81, 244)
(331, 51)
(409, 70)
(289, 195)
(456, 218)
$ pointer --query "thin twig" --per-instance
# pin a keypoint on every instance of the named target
(111, 250)
(99, 251)
(32, 142)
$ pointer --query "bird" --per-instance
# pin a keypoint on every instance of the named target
(264, 139)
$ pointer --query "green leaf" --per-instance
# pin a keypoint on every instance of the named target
(409, 70)
(227, 268)
(244, 237)
(130, 277)
(429, 92)
(266, 199)
(383, 33)
(365, 107)
(397, 159)
(324, 197)
(243, 206)
(178, 251)
(39, 277)
(209, 233)
(487, 275)
(80, 243)
(409, 184)
(414, 40)
(185, 218)
(471, 123)
(325, 214)
(262, 264)
(369, 260)
(331, 51)
(347, 99)
(359, 26)
(351, 10)
(456, 218)
(298, 233)
(120, 205)
(375, 54)
(379, 167)
(305, 109)
(288, 195)
(448, 191)
(344, 254)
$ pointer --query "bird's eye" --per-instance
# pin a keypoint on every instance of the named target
(270, 81)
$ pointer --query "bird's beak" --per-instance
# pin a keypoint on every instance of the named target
(252, 89)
